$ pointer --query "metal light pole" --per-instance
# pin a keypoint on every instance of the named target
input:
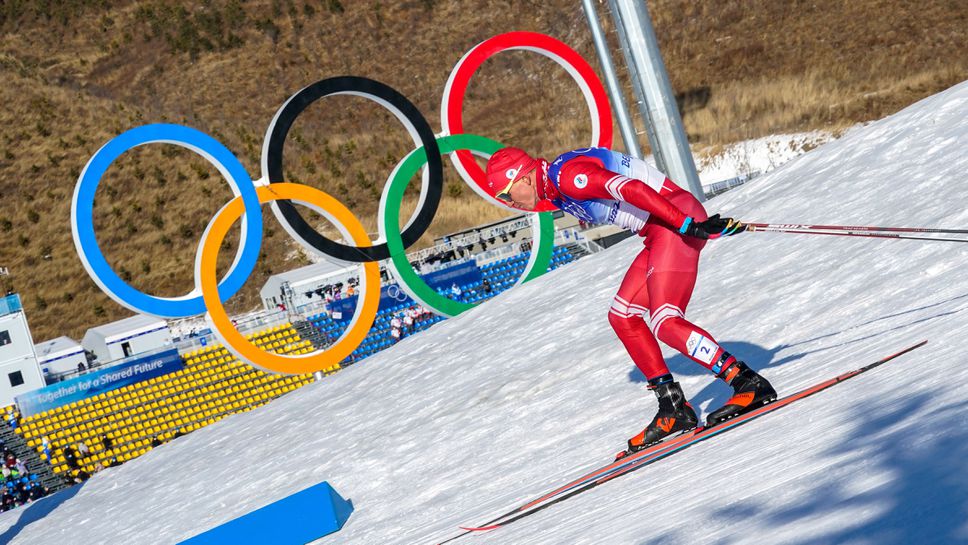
(656, 99)
(629, 136)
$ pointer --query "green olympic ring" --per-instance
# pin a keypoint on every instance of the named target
(542, 223)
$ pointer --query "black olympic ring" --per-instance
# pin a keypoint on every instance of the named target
(416, 125)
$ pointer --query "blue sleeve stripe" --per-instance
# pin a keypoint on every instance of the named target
(685, 225)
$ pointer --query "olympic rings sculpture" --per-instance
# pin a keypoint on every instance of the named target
(210, 293)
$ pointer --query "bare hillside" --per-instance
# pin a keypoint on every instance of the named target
(79, 72)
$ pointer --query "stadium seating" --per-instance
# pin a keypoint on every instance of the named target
(214, 384)
(500, 274)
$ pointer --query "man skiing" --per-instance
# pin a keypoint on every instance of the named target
(601, 186)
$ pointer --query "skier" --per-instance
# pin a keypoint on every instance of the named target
(597, 185)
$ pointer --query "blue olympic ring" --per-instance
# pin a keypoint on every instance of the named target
(82, 219)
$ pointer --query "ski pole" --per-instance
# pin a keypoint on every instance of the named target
(852, 231)
(769, 226)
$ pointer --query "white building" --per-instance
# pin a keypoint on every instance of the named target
(60, 355)
(127, 337)
(297, 288)
(19, 371)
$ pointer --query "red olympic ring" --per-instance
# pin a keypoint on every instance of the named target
(452, 102)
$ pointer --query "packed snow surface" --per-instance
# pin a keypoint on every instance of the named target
(515, 397)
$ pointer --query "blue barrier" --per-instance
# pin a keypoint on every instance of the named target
(298, 519)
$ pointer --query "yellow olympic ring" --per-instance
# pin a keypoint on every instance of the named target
(206, 280)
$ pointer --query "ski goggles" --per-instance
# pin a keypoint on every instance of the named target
(505, 194)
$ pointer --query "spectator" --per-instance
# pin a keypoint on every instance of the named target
(21, 467)
(22, 491)
(82, 450)
(350, 291)
(408, 321)
(80, 367)
(79, 475)
(395, 334)
(155, 441)
(70, 458)
(45, 442)
(7, 500)
(178, 433)
(456, 291)
(13, 419)
(487, 286)
(107, 442)
(395, 322)
(11, 461)
(37, 490)
(425, 313)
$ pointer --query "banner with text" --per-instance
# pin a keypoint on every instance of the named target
(90, 384)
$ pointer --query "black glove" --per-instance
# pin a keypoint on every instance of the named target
(712, 228)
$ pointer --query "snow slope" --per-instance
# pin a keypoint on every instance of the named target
(494, 407)
(758, 155)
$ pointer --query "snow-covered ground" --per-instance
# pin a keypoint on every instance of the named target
(760, 155)
(498, 405)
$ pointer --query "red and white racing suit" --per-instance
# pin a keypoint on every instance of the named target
(598, 185)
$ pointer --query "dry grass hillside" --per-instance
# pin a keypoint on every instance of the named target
(78, 72)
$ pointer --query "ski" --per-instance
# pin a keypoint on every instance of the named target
(661, 450)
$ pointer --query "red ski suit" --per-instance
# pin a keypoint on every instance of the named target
(652, 299)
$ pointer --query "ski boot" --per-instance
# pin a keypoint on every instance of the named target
(675, 415)
(750, 391)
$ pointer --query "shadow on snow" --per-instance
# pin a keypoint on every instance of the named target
(761, 358)
(924, 498)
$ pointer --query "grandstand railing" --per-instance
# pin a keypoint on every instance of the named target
(564, 237)
(251, 323)
(716, 188)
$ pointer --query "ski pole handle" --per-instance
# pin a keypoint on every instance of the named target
(856, 231)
